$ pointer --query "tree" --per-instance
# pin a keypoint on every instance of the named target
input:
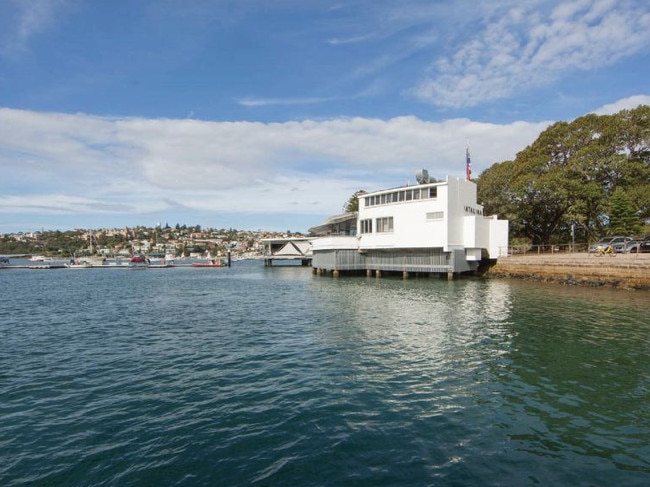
(623, 219)
(352, 204)
(570, 174)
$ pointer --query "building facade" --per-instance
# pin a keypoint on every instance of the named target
(427, 228)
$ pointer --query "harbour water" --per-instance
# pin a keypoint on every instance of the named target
(275, 377)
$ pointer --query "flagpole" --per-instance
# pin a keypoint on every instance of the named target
(468, 164)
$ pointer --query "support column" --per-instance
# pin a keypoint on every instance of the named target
(378, 274)
(405, 275)
(368, 272)
(335, 273)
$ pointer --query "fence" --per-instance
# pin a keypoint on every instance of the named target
(548, 249)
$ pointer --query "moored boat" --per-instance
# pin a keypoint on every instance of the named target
(210, 263)
(79, 264)
(40, 258)
(139, 262)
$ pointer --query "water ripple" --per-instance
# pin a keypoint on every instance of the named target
(253, 376)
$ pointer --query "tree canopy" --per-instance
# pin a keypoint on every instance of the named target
(593, 172)
(353, 202)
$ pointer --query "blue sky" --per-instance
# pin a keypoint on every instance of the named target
(268, 115)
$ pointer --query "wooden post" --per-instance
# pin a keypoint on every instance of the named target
(335, 273)
(368, 272)
(378, 274)
(405, 275)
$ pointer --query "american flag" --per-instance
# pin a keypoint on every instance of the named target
(468, 165)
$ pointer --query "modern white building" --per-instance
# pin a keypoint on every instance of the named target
(431, 227)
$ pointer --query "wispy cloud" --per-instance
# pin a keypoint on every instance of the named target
(27, 19)
(263, 102)
(529, 45)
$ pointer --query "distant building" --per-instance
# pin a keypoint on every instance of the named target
(431, 227)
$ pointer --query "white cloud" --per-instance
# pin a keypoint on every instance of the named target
(521, 46)
(624, 104)
(75, 163)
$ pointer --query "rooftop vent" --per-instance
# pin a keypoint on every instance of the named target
(422, 176)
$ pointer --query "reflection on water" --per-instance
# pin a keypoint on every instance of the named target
(552, 372)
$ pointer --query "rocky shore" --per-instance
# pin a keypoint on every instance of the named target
(624, 271)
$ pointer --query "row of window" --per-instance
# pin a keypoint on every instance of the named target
(401, 195)
(385, 224)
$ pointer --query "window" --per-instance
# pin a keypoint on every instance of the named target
(435, 215)
(385, 224)
(409, 195)
(366, 226)
(433, 192)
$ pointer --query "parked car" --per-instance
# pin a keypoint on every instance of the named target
(642, 245)
(622, 244)
(602, 244)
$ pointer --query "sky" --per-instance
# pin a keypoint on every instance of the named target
(268, 115)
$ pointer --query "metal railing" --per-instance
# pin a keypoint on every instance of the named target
(569, 248)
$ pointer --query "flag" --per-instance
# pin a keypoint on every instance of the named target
(468, 165)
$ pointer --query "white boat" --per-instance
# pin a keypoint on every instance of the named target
(40, 258)
(77, 264)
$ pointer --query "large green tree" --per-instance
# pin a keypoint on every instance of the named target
(569, 176)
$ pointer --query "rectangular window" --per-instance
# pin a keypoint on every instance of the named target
(383, 199)
(416, 194)
(409, 195)
(433, 192)
(366, 226)
(385, 224)
(401, 195)
(435, 215)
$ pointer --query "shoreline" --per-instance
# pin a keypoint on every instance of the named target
(621, 271)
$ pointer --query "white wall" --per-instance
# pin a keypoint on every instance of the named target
(498, 238)
(411, 228)
(462, 225)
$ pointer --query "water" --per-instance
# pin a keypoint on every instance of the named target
(276, 377)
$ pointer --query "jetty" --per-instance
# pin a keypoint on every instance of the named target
(624, 271)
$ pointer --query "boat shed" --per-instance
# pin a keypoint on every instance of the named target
(287, 249)
(426, 228)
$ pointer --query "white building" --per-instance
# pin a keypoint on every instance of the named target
(430, 228)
